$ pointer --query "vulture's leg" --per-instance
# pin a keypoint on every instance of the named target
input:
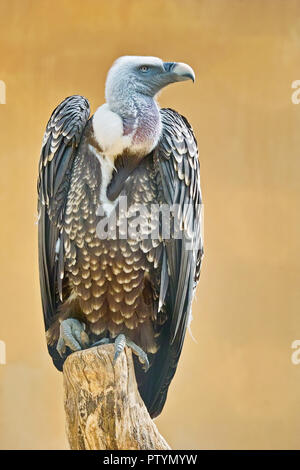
(121, 341)
(71, 334)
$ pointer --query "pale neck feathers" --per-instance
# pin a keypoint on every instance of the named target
(137, 130)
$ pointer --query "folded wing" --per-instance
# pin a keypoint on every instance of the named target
(61, 139)
(177, 158)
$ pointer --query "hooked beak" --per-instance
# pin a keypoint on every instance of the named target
(179, 71)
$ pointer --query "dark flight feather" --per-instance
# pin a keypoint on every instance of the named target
(53, 168)
(183, 263)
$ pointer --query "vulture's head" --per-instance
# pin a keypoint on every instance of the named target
(144, 76)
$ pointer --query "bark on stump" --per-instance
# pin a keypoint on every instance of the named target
(103, 406)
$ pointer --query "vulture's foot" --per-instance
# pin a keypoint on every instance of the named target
(121, 341)
(72, 334)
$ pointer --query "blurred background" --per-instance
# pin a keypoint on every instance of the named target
(236, 386)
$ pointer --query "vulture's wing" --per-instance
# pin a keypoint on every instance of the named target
(62, 137)
(177, 159)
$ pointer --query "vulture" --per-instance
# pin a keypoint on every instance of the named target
(119, 224)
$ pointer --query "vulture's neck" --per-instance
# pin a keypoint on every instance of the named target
(133, 125)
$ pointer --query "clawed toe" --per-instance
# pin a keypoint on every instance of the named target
(120, 343)
(72, 335)
(143, 358)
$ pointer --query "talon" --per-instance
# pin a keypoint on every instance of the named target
(72, 335)
(121, 341)
(143, 358)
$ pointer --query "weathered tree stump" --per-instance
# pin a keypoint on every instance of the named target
(103, 406)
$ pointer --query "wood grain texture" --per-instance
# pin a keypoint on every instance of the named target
(104, 410)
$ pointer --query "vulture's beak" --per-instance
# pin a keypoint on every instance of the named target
(179, 71)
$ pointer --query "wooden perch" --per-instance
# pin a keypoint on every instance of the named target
(103, 406)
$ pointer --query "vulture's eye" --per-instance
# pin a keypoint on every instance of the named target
(144, 68)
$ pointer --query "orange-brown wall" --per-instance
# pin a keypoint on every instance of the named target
(236, 387)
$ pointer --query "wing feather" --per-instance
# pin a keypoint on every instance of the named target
(61, 139)
(177, 158)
